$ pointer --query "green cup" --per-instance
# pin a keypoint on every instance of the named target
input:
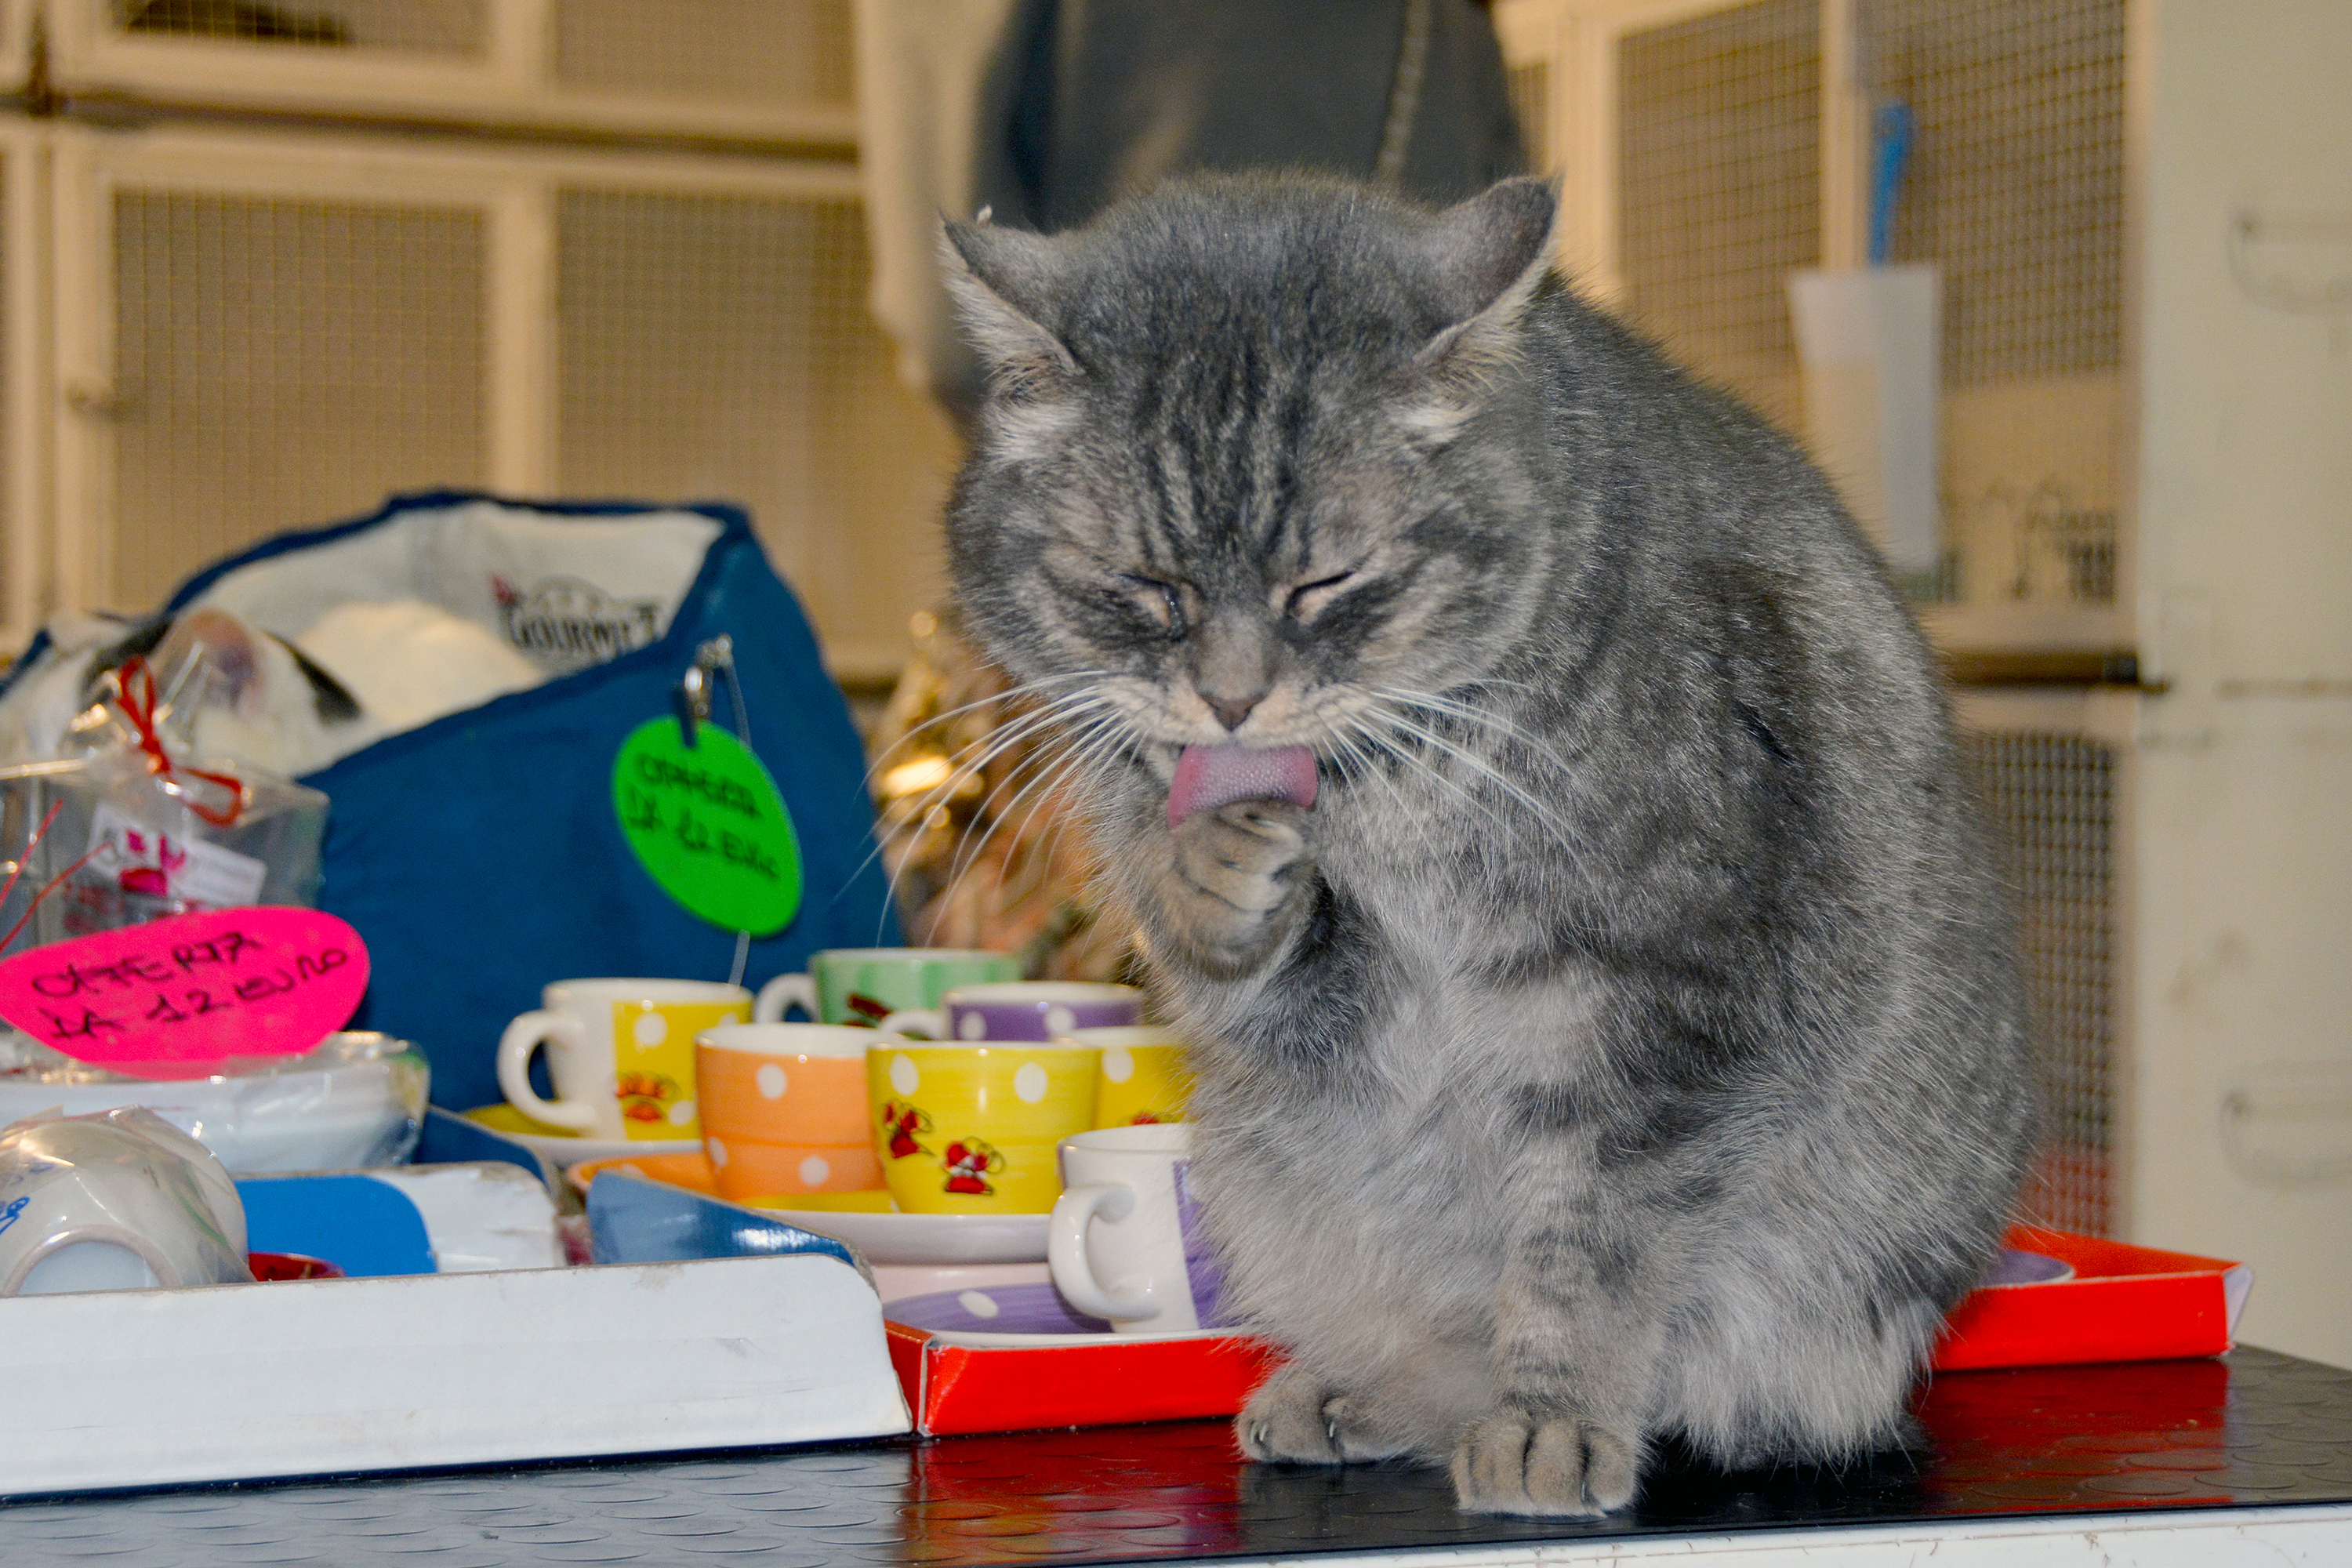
(863, 985)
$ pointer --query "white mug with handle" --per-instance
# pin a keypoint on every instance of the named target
(1124, 1242)
(620, 1053)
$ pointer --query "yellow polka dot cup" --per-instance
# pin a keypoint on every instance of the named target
(784, 1109)
(974, 1129)
(620, 1053)
(1143, 1075)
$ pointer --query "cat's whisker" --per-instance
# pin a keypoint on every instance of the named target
(1010, 694)
(1396, 726)
(1089, 769)
(1483, 768)
(998, 818)
(1349, 739)
(912, 819)
(963, 767)
(1421, 767)
(1052, 782)
(1047, 786)
(1468, 713)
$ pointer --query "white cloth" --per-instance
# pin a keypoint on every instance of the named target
(921, 65)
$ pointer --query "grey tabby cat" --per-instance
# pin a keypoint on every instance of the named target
(1539, 809)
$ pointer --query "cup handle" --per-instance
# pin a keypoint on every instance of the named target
(522, 1037)
(922, 1022)
(1066, 1251)
(782, 993)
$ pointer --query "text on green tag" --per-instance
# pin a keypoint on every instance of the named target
(708, 824)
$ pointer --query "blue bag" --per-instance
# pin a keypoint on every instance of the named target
(480, 856)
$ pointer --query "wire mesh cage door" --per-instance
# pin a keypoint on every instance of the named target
(23, 380)
(2016, 191)
(2053, 794)
(259, 333)
(774, 58)
(1709, 149)
(713, 341)
(254, 337)
(15, 36)
(759, 68)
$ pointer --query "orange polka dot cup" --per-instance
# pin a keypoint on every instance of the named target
(974, 1129)
(620, 1053)
(784, 1109)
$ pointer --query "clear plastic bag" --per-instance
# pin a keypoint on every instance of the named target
(107, 840)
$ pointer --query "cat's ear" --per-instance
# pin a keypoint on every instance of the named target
(1002, 279)
(1490, 254)
(1492, 251)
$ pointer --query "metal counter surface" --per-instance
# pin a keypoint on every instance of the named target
(2251, 1443)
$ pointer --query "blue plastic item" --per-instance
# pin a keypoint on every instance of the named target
(450, 1139)
(1891, 129)
(364, 1226)
(480, 858)
(630, 1220)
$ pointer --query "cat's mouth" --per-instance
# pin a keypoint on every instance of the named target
(1209, 776)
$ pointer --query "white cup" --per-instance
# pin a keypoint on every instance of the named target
(620, 1052)
(118, 1200)
(1124, 1242)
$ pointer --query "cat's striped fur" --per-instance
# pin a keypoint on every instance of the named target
(1628, 1043)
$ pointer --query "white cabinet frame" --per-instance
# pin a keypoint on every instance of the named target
(512, 81)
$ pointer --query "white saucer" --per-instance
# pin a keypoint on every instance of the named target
(569, 1152)
(973, 1340)
(1024, 1315)
(936, 1238)
(566, 1150)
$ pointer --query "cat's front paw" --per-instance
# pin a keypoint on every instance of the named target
(1299, 1418)
(1236, 878)
(1530, 1462)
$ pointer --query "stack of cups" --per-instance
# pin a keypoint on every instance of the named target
(783, 1105)
(969, 1121)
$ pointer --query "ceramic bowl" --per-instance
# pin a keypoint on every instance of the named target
(357, 1099)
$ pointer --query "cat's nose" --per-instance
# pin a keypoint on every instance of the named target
(1231, 710)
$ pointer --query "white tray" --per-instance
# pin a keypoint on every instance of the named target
(239, 1382)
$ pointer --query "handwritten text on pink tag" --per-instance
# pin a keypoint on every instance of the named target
(178, 997)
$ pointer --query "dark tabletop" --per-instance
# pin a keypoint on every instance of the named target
(2251, 1429)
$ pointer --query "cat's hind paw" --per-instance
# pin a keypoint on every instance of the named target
(1299, 1419)
(1518, 1461)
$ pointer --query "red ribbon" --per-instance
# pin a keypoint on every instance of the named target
(138, 705)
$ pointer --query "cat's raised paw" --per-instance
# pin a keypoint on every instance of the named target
(1236, 875)
(1517, 1461)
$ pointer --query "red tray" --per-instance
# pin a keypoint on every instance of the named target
(2124, 1303)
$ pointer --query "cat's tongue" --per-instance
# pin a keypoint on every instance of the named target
(1209, 776)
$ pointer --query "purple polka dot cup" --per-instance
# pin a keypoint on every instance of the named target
(1036, 1010)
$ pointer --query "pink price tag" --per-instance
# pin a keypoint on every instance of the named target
(181, 997)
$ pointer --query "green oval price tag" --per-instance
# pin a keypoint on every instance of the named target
(709, 826)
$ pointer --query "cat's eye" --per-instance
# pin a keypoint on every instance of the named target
(1306, 598)
(1164, 602)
